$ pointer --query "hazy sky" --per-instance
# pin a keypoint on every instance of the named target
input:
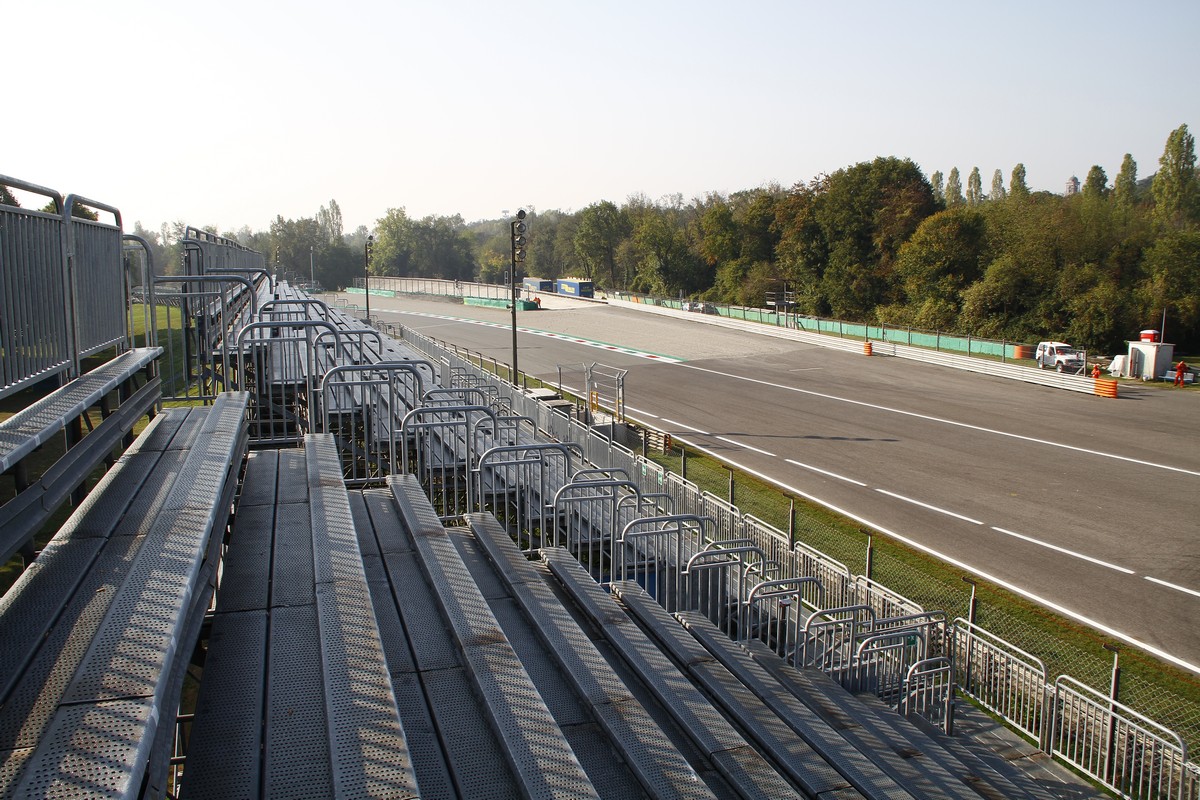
(229, 113)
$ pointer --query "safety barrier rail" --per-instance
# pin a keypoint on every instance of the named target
(1103, 387)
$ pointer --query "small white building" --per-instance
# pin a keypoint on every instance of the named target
(1147, 359)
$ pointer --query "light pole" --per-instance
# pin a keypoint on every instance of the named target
(312, 269)
(367, 275)
(518, 228)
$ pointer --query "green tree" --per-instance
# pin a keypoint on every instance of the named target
(395, 245)
(6, 197)
(602, 226)
(974, 187)
(1172, 267)
(1017, 187)
(942, 258)
(937, 183)
(840, 235)
(998, 191)
(330, 221)
(954, 191)
(719, 240)
(1124, 191)
(1095, 187)
(667, 263)
(1175, 185)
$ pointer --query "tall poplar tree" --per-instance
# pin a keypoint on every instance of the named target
(937, 183)
(1124, 190)
(974, 187)
(1175, 185)
(1017, 186)
(954, 192)
(998, 191)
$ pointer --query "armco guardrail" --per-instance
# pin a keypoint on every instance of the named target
(1020, 372)
(1075, 383)
(847, 345)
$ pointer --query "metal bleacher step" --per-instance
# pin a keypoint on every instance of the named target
(750, 773)
(912, 758)
(659, 766)
(99, 630)
(384, 547)
(792, 754)
(535, 746)
(605, 767)
(853, 764)
(296, 699)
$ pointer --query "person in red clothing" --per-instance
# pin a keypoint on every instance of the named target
(1095, 370)
(1180, 368)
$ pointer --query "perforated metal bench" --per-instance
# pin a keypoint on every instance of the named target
(533, 743)
(98, 631)
(659, 766)
(295, 643)
(61, 411)
(733, 756)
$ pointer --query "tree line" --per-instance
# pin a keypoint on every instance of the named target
(874, 242)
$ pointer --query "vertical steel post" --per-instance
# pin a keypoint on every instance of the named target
(971, 607)
(1110, 734)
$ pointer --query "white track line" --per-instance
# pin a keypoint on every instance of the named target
(825, 472)
(689, 427)
(747, 446)
(1177, 588)
(926, 505)
(1062, 550)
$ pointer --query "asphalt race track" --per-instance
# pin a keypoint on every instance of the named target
(1088, 505)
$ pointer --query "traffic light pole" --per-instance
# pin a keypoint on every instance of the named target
(367, 275)
(518, 229)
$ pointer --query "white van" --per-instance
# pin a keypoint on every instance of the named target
(1059, 356)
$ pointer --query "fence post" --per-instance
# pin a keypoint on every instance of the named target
(791, 520)
(1110, 734)
(683, 462)
(731, 487)
(870, 556)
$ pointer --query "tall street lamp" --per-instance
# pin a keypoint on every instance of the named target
(519, 228)
(312, 269)
(367, 275)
